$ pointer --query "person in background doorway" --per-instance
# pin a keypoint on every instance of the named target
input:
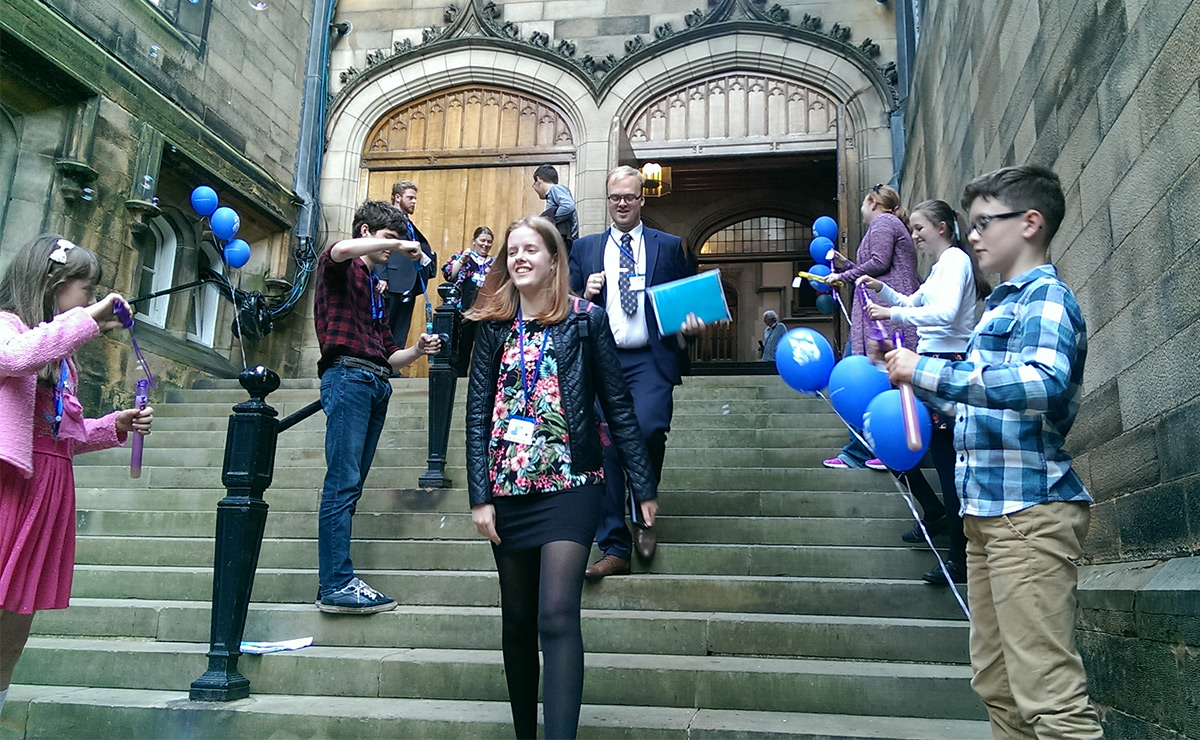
(773, 332)
(560, 205)
(401, 279)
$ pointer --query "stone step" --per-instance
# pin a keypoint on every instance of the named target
(671, 558)
(689, 382)
(770, 530)
(604, 631)
(685, 681)
(808, 452)
(674, 478)
(880, 504)
(732, 394)
(419, 439)
(58, 711)
(860, 597)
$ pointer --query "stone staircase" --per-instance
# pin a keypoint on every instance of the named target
(780, 603)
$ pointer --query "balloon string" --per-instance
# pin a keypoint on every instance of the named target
(906, 494)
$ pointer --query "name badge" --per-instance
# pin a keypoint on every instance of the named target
(520, 430)
(479, 277)
(637, 282)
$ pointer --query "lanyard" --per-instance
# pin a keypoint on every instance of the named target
(528, 383)
(376, 299)
(621, 247)
(59, 392)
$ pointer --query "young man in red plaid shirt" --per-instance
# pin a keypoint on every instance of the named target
(358, 356)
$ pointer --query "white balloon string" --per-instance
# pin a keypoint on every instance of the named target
(837, 298)
(906, 494)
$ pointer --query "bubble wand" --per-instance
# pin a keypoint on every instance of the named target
(908, 399)
(142, 395)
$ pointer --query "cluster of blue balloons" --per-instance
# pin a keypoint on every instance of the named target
(821, 250)
(859, 392)
(224, 222)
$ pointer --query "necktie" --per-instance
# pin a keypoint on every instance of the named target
(628, 266)
(412, 233)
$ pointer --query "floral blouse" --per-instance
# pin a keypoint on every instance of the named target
(474, 269)
(544, 465)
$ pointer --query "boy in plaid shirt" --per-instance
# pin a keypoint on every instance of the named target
(358, 357)
(1025, 511)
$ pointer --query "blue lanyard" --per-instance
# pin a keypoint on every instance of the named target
(528, 383)
(621, 247)
(428, 305)
(59, 392)
(376, 299)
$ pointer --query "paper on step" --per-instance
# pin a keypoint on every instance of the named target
(262, 648)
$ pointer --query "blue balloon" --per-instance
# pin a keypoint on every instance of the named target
(817, 285)
(204, 200)
(818, 249)
(237, 253)
(826, 304)
(225, 223)
(826, 227)
(854, 383)
(804, 359)
(883, 428)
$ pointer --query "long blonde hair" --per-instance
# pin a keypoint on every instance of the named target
(498, 297)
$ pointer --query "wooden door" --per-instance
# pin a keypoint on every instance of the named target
(452, 203)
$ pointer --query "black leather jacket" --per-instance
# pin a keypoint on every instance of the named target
(588, 370)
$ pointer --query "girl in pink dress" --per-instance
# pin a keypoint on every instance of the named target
(47, 311)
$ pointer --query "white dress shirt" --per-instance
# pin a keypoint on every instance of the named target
(629, 332)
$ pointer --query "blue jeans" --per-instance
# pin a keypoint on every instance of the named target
(355, 402)
(855, 453)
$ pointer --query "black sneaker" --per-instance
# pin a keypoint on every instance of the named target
(938, 578)
(356, 597)
(914, 536)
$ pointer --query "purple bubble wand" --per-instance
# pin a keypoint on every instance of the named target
(908, 398)
(142, 396)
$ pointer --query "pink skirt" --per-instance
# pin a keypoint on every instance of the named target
(37, 535)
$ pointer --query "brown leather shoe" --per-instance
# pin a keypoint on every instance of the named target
(609, 565)
(645, 541)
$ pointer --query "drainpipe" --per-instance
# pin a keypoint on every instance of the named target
(906, 50)
(310, 147)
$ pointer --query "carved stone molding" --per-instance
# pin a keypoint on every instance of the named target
(479, 20)
(466, 123)
(736, 105)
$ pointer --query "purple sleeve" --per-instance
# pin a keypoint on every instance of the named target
(876, 250)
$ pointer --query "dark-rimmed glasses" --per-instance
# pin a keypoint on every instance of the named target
(616, 198)
(980, 224)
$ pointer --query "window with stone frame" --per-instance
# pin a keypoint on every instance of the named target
(156, 269)
(189, 17)
(204, 300)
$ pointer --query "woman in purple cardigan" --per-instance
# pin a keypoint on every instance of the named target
(886, 253)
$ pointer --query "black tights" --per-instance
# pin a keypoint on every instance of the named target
(941, 450)
(540, 591)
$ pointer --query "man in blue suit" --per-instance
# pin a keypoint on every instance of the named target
(398, 277)
(614, 269)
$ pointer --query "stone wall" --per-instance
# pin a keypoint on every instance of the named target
(1105, 93)
(224, 112)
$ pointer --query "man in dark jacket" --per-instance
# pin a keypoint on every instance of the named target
(398, 278)
(614, 268)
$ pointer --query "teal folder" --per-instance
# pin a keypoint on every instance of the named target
(700, 294)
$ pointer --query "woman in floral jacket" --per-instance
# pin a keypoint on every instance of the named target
(534, 461)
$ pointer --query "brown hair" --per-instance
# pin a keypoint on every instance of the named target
(498, 297)
(889, 200)
(1028, 187)
(941, 212)
(31, 283)
(399, 187)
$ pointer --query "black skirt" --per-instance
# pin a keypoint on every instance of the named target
(530, 521)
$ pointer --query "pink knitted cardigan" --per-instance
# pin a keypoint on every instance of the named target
(22, 352)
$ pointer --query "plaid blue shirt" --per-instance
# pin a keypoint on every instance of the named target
(1015, 397)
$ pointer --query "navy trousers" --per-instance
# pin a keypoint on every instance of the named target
(652, 393)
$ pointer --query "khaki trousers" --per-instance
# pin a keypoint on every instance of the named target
(1021, 584)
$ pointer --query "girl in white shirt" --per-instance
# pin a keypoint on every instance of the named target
(944, 310)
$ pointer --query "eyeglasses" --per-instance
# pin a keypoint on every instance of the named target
(980, 224)
(616, 198)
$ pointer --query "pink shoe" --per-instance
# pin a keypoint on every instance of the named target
(836, 463)
(876, 464)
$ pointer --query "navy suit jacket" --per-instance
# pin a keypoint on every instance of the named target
(400, 271)
(665, 261)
